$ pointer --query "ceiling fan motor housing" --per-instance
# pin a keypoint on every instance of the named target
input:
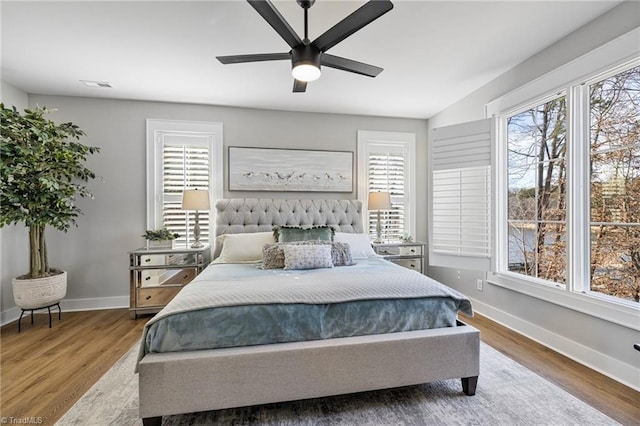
(306, 55)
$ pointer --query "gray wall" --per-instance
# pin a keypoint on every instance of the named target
(95, 253)
(601, 344)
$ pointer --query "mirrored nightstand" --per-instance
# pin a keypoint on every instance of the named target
(409, 255)
(157, 275)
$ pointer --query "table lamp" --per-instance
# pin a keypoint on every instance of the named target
(380, 200)
(196, 199)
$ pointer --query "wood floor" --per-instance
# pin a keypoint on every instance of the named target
(45, 371)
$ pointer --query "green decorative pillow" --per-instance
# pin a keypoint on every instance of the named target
(285, 234)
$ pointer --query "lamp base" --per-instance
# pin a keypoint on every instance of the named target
(197, 244)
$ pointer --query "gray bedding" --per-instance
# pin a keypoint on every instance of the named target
(239, 304)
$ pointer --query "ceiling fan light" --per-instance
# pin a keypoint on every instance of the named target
(305, 72)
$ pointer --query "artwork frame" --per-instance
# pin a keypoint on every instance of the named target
(290, 170)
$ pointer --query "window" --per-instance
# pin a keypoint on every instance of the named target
(460, 196)
(572, 162)
(386, 163)
(182, 155)
(536, 188)
(614, 181)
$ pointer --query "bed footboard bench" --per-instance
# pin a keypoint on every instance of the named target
(174, 383)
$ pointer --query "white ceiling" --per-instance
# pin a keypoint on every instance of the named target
(433, 53)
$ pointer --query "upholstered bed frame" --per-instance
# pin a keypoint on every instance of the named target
(186, 382)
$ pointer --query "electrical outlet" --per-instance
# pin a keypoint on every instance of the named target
(479, 284)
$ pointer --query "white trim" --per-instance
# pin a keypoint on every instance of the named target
(620, 312)
(602, 363)
(71, 305)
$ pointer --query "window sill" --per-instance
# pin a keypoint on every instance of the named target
(621, 313)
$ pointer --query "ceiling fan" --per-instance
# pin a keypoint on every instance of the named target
(307, 56)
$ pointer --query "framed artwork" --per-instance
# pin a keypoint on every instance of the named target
(272, 169)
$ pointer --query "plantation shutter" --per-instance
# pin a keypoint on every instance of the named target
(460, 196)
(386, 162)
(386, 172)
(184, 166)
(182, 155)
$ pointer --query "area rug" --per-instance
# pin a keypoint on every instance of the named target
(507, 394)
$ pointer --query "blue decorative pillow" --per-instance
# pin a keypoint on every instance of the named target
(307, 256)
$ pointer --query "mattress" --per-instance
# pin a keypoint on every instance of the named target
(230, 305)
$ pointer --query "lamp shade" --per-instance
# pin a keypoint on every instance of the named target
(195, 199)
(379, 200)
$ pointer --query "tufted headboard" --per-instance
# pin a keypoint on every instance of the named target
(240, 215)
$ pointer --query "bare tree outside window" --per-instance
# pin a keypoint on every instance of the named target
(537, 167)
(537, 186)
(615, 185)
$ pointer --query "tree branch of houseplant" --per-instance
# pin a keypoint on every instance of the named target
(42, 174)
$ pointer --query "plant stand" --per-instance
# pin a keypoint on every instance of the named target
(48, 308)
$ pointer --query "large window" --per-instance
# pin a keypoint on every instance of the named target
(600, 156)
(385, 163)
(181, 156)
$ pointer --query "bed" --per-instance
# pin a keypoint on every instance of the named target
(219, 371)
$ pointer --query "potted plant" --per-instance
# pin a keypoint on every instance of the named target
(160, 238)
(42, 173)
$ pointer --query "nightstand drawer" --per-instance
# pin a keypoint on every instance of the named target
(183, 276)
(399, 250)
(415, 264)
(152, 277)
(156, 296)
(152, 260)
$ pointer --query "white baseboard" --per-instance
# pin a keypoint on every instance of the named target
(604, 364)
(71, 305)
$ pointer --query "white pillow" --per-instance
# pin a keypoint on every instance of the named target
(307, 256)
(243, 248)
(360, 244)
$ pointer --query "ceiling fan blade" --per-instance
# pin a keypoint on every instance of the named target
(237, 59)
(299, 86)
(350, 65)
(270, 14)
(366, 14)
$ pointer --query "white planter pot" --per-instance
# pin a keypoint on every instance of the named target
(39, 292)
(162, 244)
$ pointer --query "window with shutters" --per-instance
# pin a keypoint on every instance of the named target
(460, 196)
(385, 163)
(181, 156)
